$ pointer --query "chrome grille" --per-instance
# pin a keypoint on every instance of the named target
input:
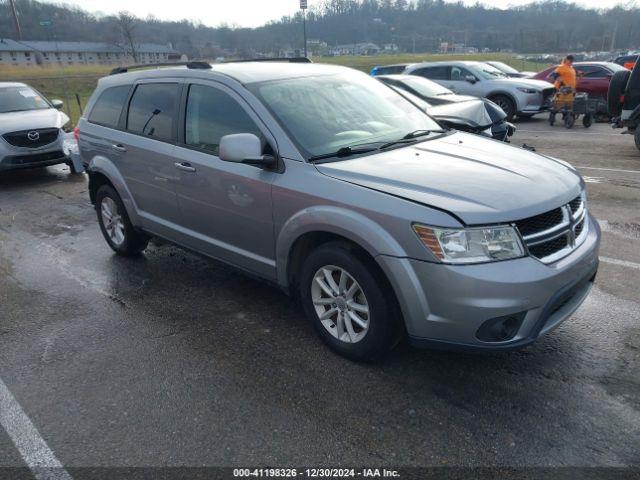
(553, 235)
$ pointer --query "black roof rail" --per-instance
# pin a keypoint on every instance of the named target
(273, 59)
(191, 65)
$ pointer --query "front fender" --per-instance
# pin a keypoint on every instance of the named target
(352, 225)
(104, 166)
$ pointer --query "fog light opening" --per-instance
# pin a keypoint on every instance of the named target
(500, 329)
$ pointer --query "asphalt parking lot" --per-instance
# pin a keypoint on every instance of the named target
(173, 360)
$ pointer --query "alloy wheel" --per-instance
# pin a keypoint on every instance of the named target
(340, 304)
(112, 221)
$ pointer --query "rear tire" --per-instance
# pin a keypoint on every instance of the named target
(636, 137)
(334, 278)
(506, 104)
(617, 87)
(587, 120)
(115, 225)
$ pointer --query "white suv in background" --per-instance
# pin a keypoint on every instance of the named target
(516, 96)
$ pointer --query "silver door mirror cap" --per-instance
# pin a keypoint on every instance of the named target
(471, 79)
(239, 147)
(57, 104)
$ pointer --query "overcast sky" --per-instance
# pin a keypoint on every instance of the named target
(246, 13)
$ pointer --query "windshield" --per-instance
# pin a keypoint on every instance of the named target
(326, 113)
(424, 87)
(503, 67)
(17, 99)
(489, 72)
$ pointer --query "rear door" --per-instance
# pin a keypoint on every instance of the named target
(437, 73)
(146, 146)
(225, 207)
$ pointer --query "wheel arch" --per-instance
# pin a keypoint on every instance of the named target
(102, 171)
(504, 93)
(315, 226)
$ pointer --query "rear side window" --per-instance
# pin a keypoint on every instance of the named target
(153, 109)
(433, 73)
(390, 70)
(212, 114)
(109, 105)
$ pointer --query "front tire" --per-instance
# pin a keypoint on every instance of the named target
(115, 224)
(349, 302)
(506, 104)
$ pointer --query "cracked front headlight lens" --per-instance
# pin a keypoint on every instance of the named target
(471, 245)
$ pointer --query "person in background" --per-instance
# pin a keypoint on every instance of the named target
(565, 74)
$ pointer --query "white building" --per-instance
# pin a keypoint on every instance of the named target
(81, 53)
(366, 48)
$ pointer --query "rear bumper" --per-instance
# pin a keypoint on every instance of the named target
(444, 306)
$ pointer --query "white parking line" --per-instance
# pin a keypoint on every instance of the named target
(34, 450)
(607, 169)
(623, 263)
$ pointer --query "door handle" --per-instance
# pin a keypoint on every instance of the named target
(185, 167)
(119, 148)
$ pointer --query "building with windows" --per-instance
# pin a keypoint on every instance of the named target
(366, 48)
(26, 53)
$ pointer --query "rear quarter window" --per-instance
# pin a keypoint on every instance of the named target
(108, 107)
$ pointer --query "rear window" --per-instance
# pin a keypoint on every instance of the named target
(153, 109)
(109, 105)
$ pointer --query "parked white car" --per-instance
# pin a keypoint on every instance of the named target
(516, 96)
(31, 129)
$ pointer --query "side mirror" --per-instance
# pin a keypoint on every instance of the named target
(57, 104)
(471, 79)
(244, 148)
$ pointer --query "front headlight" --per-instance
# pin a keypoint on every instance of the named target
(527, 90)
(471, 245)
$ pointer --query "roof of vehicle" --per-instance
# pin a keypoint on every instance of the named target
(12, 84)
(394, 65)
(243, 72)
(474, 63)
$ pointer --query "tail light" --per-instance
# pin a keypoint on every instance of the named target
(76, 133)
(621, 98)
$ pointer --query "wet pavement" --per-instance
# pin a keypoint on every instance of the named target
(173, 360)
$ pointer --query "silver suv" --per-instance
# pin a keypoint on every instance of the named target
(331, 185)
(516, 96)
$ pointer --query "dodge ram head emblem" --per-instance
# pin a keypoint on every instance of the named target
(33, 136)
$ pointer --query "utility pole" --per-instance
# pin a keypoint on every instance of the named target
(613, 37)
(303, 7)
(16, 23)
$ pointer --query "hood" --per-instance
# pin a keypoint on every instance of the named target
(31, 120)
(472, 113)
(450, 98)
(479, 180)
(523, 82)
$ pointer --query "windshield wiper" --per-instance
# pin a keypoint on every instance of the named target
(408, 138)
(343, 152)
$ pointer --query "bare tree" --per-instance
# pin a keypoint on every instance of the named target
(127, 24)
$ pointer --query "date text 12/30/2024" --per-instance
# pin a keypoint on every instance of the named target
(315, 473)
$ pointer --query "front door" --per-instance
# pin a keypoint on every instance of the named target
(225, 207)
(460, 81)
